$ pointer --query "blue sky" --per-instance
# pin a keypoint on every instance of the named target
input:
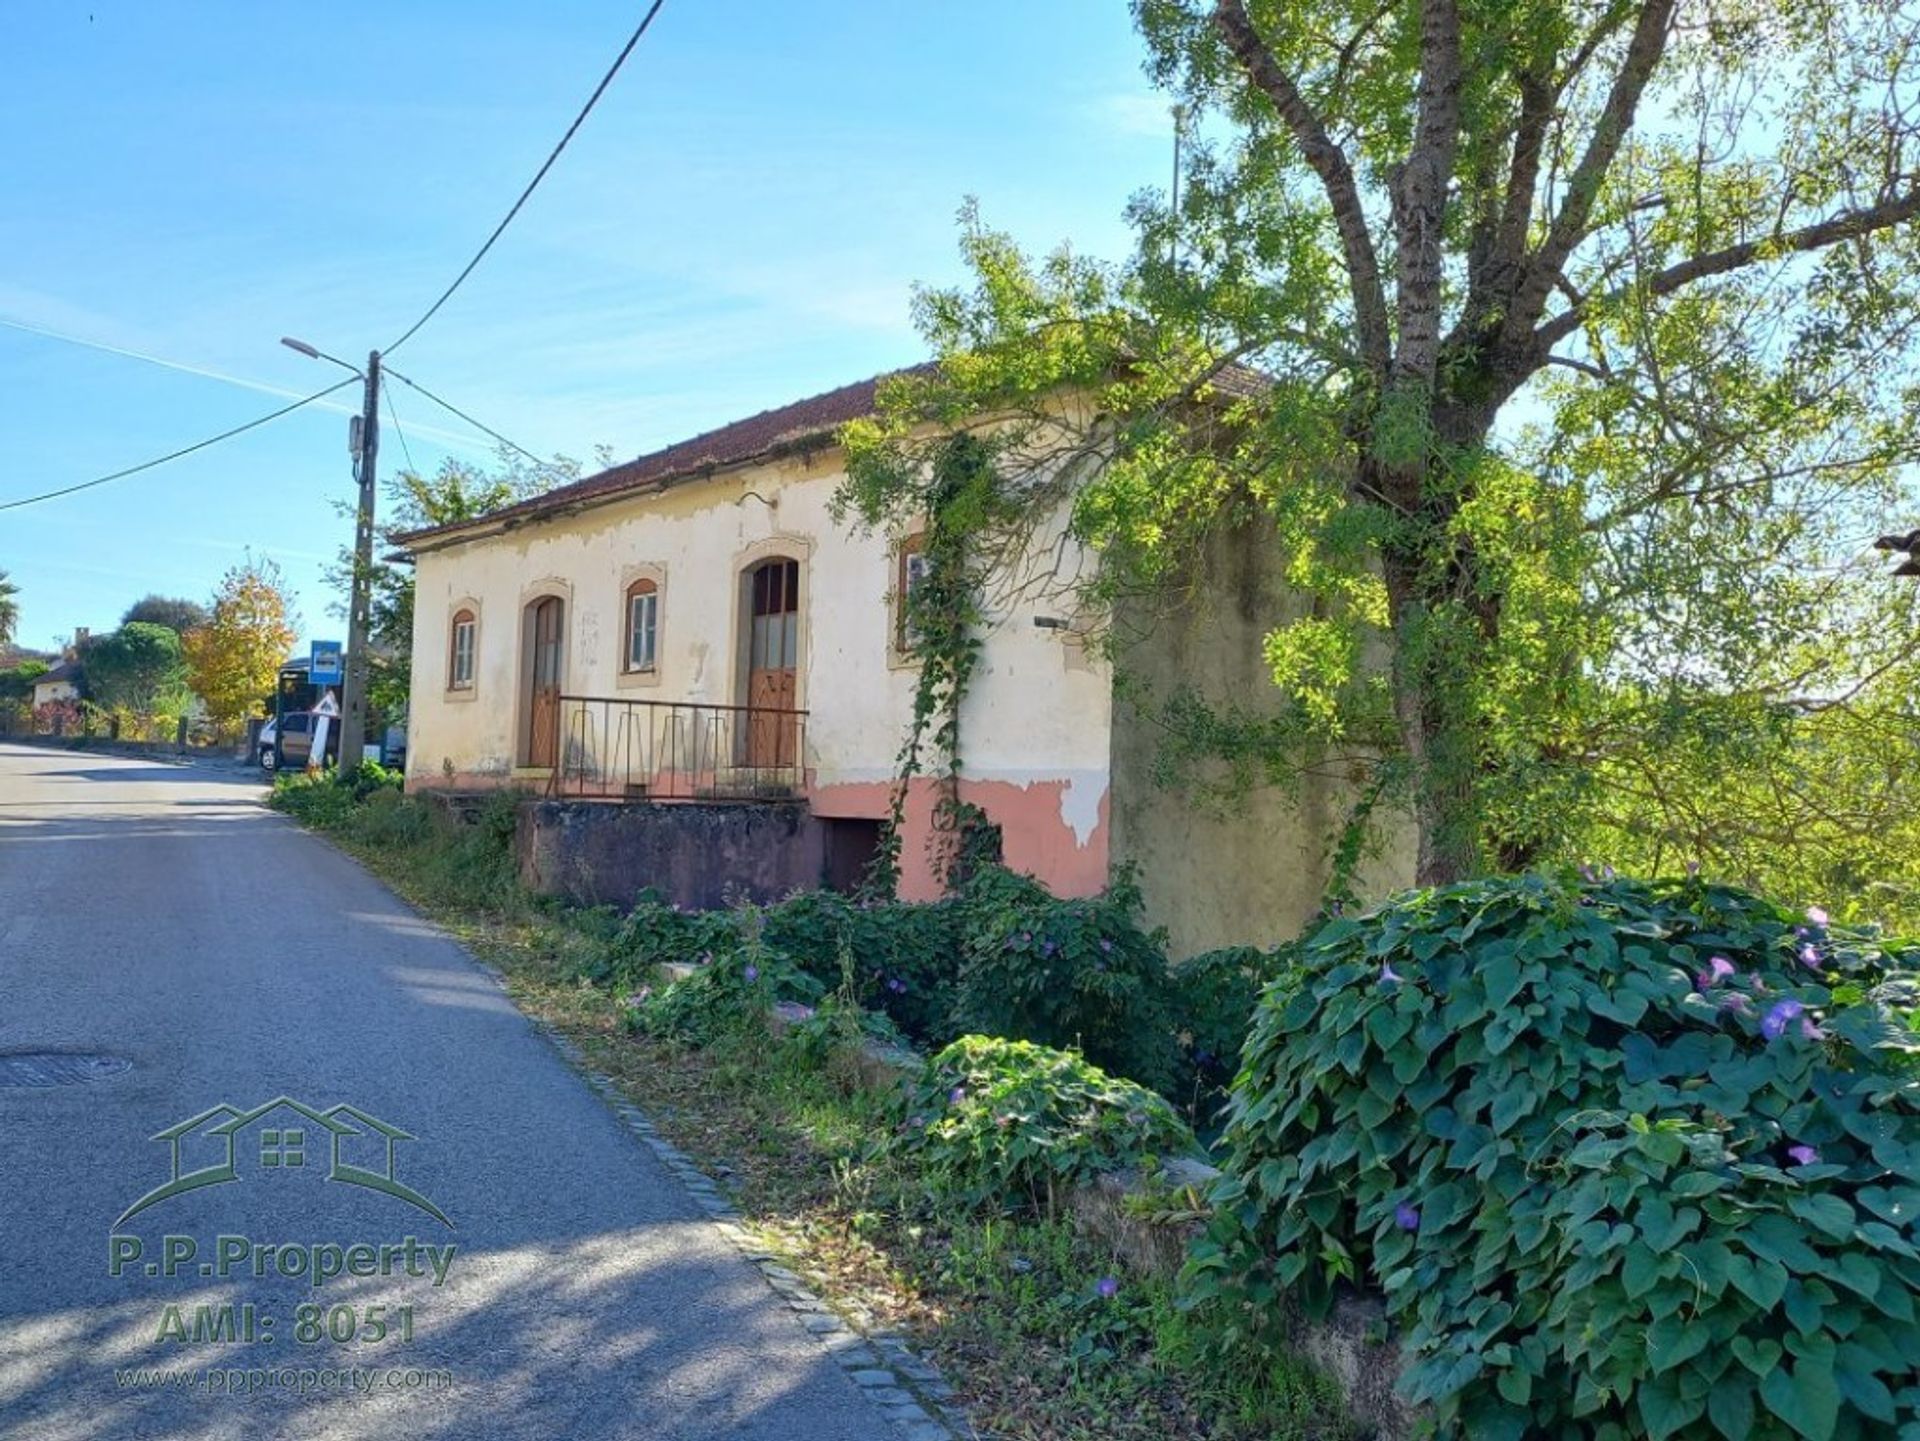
(738, 224)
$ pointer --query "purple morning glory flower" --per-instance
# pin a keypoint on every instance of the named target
(1816, 915)
(956, 1095)
(1804, 1155)
(1734, 1001)
(1810, 1031)
(1406, 1216)
(752, 973)
(1693, 868)
(1105, 944)
(1388, 975)
(1047, 948)
(1026, 938)
(1586, 873)
(1810, 956)
(1779, 1016)
(1718, 969)
(896, 985)
(1108, 1287)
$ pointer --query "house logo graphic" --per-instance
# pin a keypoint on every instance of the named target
(359, 1150)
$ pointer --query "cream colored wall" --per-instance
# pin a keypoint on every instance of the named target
(1251, 873)
(1035, 722)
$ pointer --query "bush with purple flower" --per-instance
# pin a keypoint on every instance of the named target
(1626, 1158)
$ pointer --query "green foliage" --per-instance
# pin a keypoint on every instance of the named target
(1215, 995)
(905, 957)
(728, 996)
(655, 932)
(1575, 378)
(1084, 974)
(175, 613)
(1007, 1124)
(1624, 1159)
(137, 668)
(9, 609)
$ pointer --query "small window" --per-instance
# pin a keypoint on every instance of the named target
(460, 666)
(643, 625)
(911, 568)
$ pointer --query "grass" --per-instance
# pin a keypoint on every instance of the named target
(1007, 1307)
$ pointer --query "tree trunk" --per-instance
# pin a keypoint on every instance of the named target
(1439, 620)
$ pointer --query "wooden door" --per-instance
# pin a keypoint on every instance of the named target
(773, 654)
(543, 681)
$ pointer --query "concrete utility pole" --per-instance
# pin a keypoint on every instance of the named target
(353, 699)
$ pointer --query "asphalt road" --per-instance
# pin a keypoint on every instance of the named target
(159, 916)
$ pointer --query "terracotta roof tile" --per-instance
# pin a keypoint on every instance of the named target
(758, 435)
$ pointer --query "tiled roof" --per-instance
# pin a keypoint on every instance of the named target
(767, 433)
(67, 670)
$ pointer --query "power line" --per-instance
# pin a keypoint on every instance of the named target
(177, 454)
(386, 393)
(456, 410)
(539, 175)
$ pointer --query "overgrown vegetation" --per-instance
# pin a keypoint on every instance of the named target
(1623, 1159)
(1039, 1333)
(1008, 1125)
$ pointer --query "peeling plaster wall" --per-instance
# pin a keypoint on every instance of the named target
(1034, 726)
(1254, 872)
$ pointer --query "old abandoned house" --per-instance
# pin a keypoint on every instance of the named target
(707, 679)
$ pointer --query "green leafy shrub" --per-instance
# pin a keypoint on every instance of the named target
(656, 931)
(1624, 1160)
(728, 996)
(366, 778)
(1008, 1124)
(1214, 997)
(906, 956)
(1084, 974)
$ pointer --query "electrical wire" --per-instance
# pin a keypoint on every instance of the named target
(456, 410)
(386, 394)
(177, 454)
(539, 175)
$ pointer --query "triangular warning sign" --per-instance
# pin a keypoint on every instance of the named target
(329, 706)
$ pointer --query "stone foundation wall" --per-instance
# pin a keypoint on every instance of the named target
(699, 856)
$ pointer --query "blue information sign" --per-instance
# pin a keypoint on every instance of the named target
(324, 667)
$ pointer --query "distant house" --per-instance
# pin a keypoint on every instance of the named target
(694, 625)
(63, 682)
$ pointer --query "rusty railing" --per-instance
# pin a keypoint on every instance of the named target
(617, 749)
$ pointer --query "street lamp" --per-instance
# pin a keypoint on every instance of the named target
(353, 699)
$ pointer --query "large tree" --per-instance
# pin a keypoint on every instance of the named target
(175, 613)
(1585, 334)
(234, 660)
(136, 668)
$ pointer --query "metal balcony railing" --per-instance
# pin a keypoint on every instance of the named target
(617, 749)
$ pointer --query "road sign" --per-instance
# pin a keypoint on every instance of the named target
(324, 664)
(329, 706)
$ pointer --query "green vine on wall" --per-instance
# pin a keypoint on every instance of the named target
(943, 614)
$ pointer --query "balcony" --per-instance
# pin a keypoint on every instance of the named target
(647, 750)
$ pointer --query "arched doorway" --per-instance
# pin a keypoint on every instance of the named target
(544, 653)
(773, 663)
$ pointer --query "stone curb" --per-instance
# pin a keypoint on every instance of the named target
(902, 1386)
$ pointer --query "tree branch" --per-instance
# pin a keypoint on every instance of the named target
(1569, 227)
(1847, 225)
(1420, 192)
(1330, 163)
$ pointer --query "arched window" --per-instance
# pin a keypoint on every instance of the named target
(643, 626)
(460, 651)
